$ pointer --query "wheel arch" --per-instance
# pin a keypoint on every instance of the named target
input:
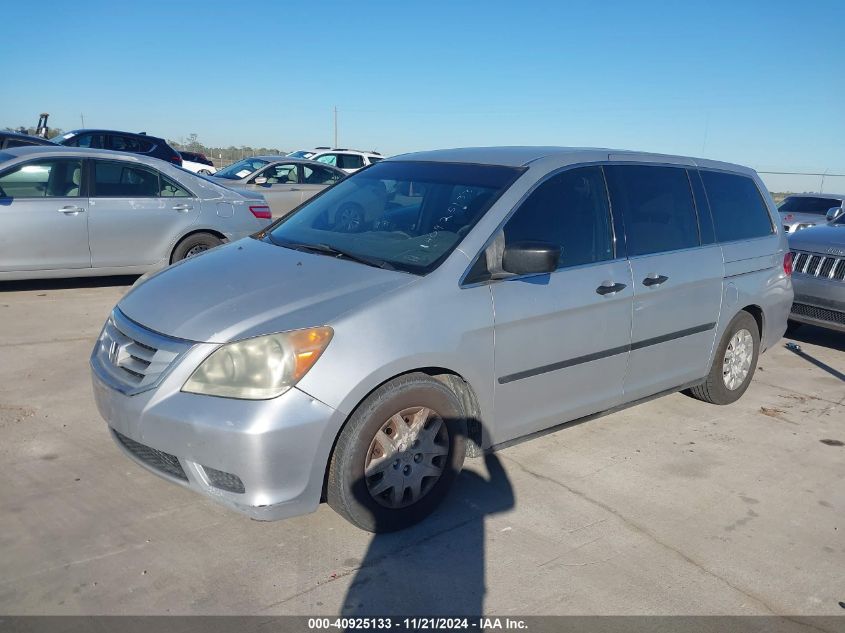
(452, 379)
(759, 316)
(195, 231)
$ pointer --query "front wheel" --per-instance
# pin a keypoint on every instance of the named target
(398, 454)
(733, 363)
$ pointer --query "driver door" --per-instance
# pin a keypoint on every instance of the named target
(280, 184)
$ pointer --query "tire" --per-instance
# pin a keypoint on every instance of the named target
(373, 503)
(715, 389)
(792, 326)
(194, 245)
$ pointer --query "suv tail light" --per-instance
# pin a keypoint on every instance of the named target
(787, 263)
(262, 212)
(176, 160)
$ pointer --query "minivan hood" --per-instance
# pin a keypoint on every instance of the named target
(249, 287)
(819, 239)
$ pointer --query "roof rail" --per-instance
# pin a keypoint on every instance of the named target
(322, 147)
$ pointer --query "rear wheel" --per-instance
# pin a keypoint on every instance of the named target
(733, 363)
(194, 245)
(398, 454)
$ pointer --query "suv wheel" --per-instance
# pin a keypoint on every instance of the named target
(733, 363)
(398, 454)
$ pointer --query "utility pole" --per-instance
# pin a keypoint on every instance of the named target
(335, 127)
(82, 118)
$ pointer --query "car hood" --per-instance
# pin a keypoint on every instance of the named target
(249, 288)
(820, 239)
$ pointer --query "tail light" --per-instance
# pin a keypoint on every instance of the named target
(176, 160)
(787, 263)
(262, 212)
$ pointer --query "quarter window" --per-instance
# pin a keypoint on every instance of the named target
(43, 179)
(657, 207)
(328, 159)
(350, 161)
(170, 189)
(739, 212)
(120, 180)
(569, 210)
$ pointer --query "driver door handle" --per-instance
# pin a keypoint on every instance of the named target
(182, 207)
(71, 210)
(609, 288)
(653, 279)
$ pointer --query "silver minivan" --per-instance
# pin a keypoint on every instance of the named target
(489, 295)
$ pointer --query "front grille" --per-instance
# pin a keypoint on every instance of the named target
(132, 358)
(161, 461)
(821, 266)
(223, 480)
(819, 314)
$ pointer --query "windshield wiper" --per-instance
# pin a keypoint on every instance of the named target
(338, 252)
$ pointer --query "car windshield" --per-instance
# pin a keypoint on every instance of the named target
(301, 154)
(808, 204)
(242, 168)
(401, 215)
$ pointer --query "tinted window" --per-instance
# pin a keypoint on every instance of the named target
(16, 142)
(120, 180)
(87, 140)
(657, 207)
(43, 178)
(320, 175)
(739, 212)
(280, 175)
(350, 161)
(807, 204)
(241, 169)
(705, 219)
(121, 143)
(569, 210)
(374, 159)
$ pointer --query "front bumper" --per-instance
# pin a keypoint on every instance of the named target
(277, 449)
(819, 302)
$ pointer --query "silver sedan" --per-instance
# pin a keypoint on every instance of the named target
(69, 212)
(283, 181)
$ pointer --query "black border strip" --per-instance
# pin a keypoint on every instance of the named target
(544, 369)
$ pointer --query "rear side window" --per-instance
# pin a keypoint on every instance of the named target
(94, 141)
(124, 143)
(739, 212)
(569, 210)
(120, 180)
(350, 161)
(320, 175)
(656, 203)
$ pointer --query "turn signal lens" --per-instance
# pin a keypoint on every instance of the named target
(259, 368)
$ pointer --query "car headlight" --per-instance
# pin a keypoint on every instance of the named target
(259, 368)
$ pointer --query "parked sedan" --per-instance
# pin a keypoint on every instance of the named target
(803, 210)
(819, 274)
(283, 181)
(68, 212)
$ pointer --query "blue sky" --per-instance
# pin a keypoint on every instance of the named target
(758, 83)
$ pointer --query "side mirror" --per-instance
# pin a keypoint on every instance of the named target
(261, 180)
(834, 214)
(530, 258)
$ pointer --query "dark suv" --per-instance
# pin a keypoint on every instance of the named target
(122, 142)
(14, 139)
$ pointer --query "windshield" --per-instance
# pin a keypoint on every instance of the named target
(403, 215)
(242, 168)
(301, 154)
(808, 204)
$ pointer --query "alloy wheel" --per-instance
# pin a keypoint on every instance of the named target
(737, 361)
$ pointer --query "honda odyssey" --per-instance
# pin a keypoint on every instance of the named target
(488, 295)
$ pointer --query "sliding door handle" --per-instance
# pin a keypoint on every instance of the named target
(609, 288)
(654, 279)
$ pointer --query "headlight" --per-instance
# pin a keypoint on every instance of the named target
(259, 368)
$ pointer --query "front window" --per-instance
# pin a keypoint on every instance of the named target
(403, 215)
(52, 178)
(808, 204)
(242, 168)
